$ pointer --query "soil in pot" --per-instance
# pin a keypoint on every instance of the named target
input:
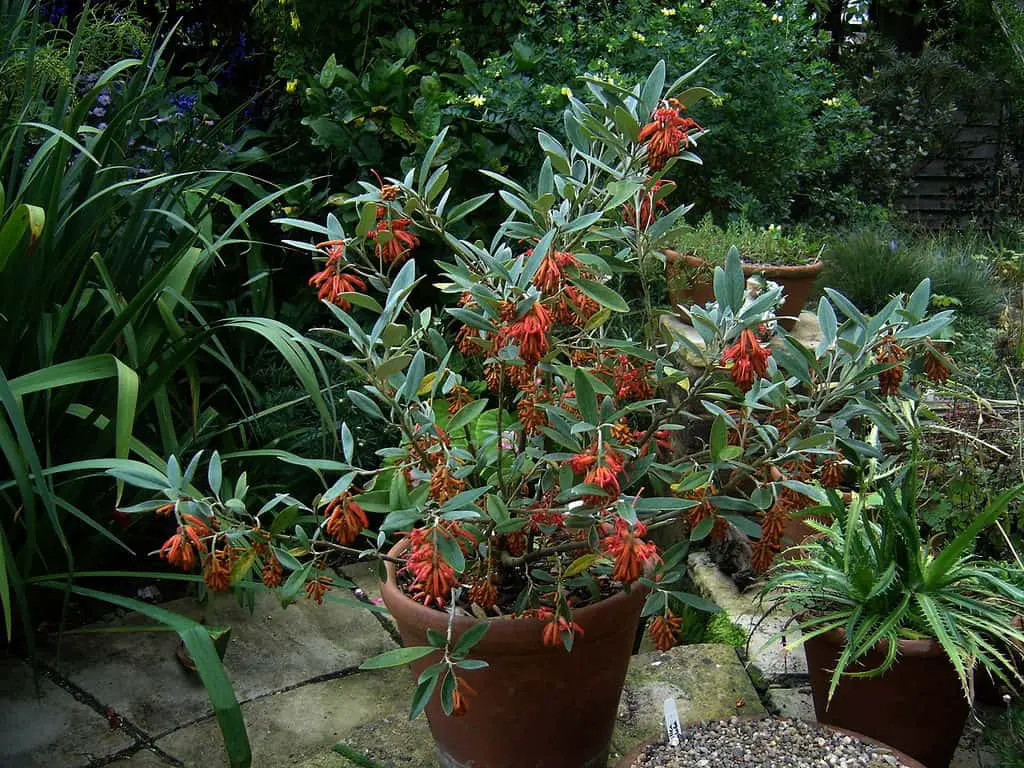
(771, 742)
(535, 705)
(690, 282)
(917, 706)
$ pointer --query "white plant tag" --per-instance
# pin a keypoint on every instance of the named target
(672, 722)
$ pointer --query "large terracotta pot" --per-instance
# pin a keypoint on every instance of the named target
(535, 706)
(917, 706)
(797, 282)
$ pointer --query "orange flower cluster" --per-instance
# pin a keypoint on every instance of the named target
(345, 519)
(458, 398)
(832, 473)
(666, 134)
(398, 242)
(530, 334)
(889, 380)
(444, 485)
(749, 359)
(574, 307)
(632, 382)
(217, 569)
(936, 365)
(550, 274)
(664, 630)
(632, 554)
(604, 474)
(555, 626)
(433, 577)
(272, 572)
(317, 588)
(531, 414)
(484, 593)
(648, 207)
(705, 509)
(332, 281)
(182, 550)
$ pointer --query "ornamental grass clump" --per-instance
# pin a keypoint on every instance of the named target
(542, 444)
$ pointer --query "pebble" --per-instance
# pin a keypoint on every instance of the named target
(771, 742)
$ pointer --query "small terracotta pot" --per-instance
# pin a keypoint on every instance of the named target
(905, 760)
(535, 705)
(917, 706)
(797, 282)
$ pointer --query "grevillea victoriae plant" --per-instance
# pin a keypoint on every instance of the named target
(548, 428)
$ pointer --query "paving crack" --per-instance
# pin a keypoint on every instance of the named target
(141, 739)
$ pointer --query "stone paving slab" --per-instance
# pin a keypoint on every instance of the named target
(144, 758)
(708, 682)
(367, 710)
(47, 727)
(772, 648)
(138, 674)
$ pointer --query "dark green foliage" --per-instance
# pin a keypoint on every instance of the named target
(869, 267)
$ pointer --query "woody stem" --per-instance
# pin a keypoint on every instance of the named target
(528, 557)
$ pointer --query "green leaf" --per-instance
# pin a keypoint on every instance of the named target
(580, 564)
(602, 294)
(468, 639)
(398, 657)
(414, 377)
(421, 697)
(651, 92)
(214, 476)
(328, 72)
(586, 400)
(428, 159)
(367, 219)
(696, 602)
(21, 232)
(365, 404)
(702, 529)
(467, 415)
(462, 210)
(719, 437)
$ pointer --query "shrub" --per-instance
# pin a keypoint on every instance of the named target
(869, 267)
(762, 245)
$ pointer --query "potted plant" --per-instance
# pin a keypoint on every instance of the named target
(893, 631)
(790, 258)
(535, 417)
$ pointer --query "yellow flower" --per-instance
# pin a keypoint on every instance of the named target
(668, 11)
(477, 100)
(291, 85)
(637, 36)
(567, 92)
(776, 18)
(295, 20)
(701, 28)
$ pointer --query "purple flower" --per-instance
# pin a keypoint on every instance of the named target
(104, 98)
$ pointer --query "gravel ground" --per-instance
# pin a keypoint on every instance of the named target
(772, 742)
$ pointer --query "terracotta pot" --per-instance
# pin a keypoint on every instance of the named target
(917, 706)
(797, 282)
(535, 706)
(904, 760)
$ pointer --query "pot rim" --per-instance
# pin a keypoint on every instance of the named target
(785, 271)
(919, 648)
(906, 761)
(500, 628)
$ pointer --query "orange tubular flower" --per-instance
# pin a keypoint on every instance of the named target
(551, 272)
(433, 577)
(401, 241)
(272, 572)
(317, 588)
(749, 359)
(484, 593)
(890, 379)
(332, 281)
(458, 398)
(607, 480)
(551, 635)
(217, 573)
(182, 550)
(936, 366)
(664, 630)
(632, 554)
(345, 519)
(763, 554)
(648, 207)
(631, 381)
(459, 697)
(832, 473)
(444, 485)
(581, 462)
(530, 333)
(665, 135)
